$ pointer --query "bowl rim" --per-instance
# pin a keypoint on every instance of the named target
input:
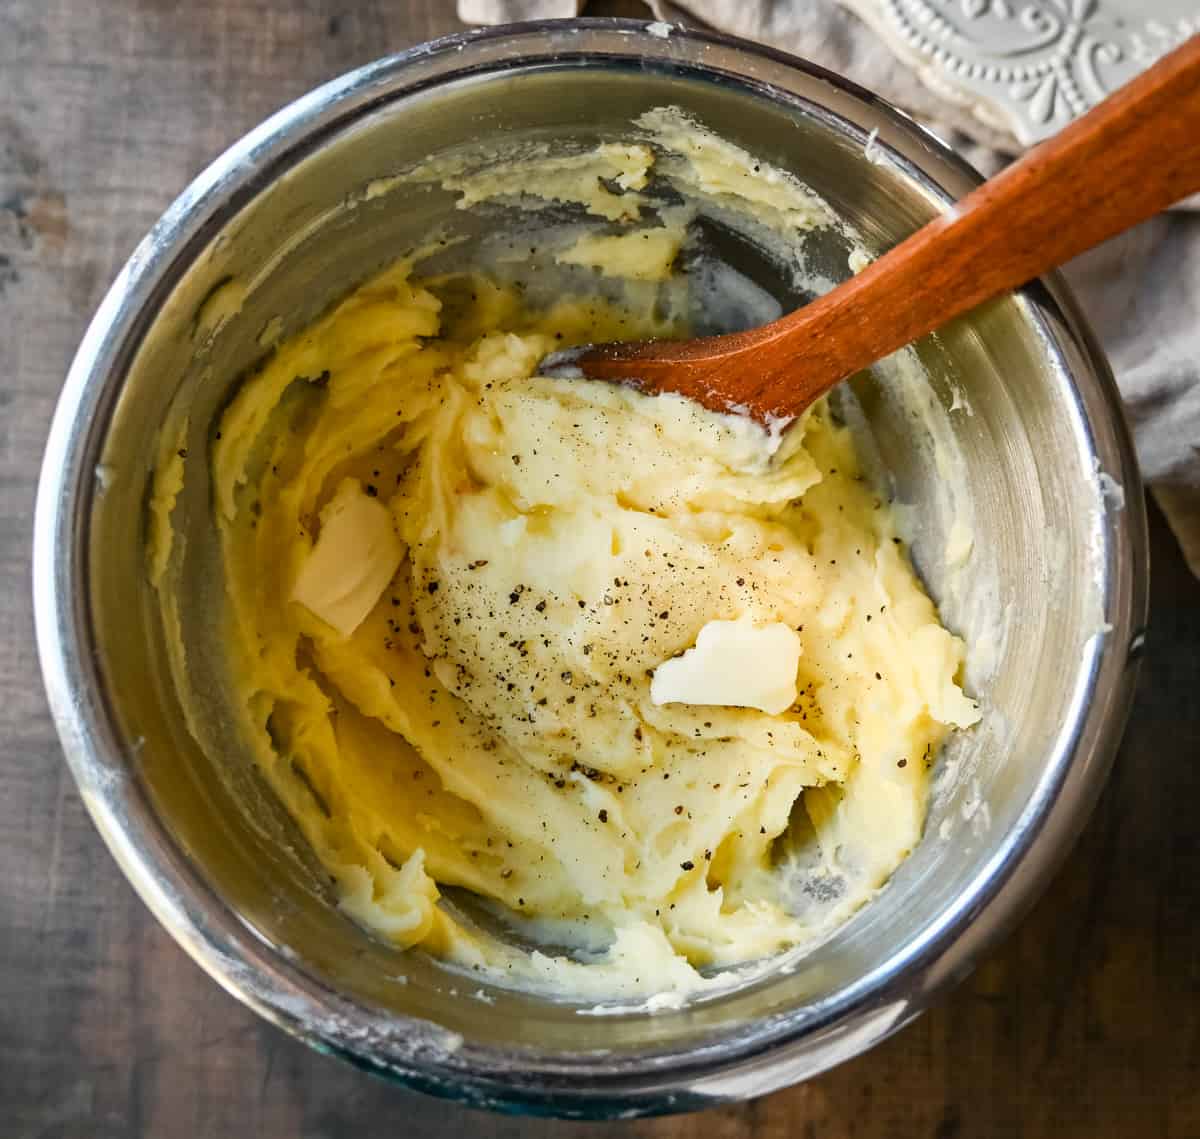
(418, 1054)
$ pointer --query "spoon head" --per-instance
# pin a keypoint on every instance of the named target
(734, 285)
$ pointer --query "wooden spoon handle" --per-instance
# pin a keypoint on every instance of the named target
(1135, 154)
(1130, 157)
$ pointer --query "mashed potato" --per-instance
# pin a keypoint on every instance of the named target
(452, 584)
(586, 690)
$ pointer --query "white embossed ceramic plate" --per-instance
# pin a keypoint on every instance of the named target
(1029, 66)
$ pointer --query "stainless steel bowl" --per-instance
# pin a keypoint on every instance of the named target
(1057, 577)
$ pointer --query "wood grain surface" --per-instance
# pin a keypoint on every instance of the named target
(1086, 1022)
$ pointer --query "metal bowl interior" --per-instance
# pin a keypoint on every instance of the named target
(1055, 584)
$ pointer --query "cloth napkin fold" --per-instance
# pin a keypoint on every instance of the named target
(1141, 291)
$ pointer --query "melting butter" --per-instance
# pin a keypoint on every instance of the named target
(352, 561)
(735, 663)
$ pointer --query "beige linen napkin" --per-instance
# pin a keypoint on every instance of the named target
(1141, 291)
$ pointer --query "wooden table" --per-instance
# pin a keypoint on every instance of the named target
(1085, 1023)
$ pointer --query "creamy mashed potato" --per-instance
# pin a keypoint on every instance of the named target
(584, 689)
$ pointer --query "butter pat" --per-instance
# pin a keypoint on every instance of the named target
(355, 557)
(736, 664)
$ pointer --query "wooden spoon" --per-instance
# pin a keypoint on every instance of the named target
(1124, 161)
